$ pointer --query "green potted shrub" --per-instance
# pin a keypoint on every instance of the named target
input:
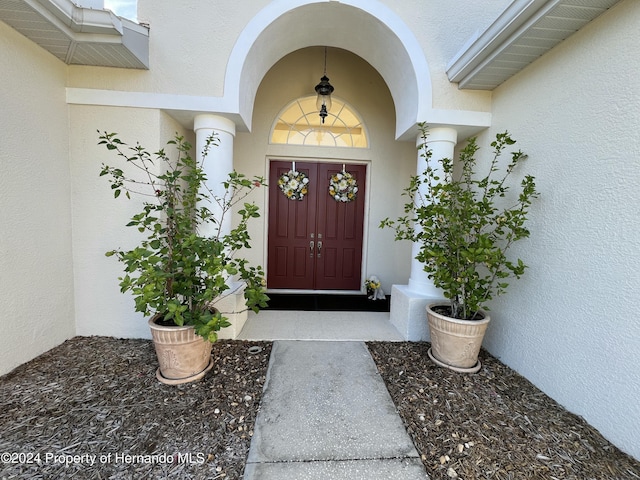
(177, 273)
(464, 225)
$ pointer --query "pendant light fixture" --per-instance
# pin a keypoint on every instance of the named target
(324, 90)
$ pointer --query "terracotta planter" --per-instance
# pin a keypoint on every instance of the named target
(183, 355)
(455, 343)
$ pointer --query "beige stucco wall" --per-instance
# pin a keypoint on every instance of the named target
(191, 41)
(570, 324)
(390, 162)
(99, 220)
(442, 27)
(36, 281)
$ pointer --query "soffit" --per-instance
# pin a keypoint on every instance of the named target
(79, 36)
(526, 30)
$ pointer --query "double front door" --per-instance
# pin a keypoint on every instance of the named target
(315, 243)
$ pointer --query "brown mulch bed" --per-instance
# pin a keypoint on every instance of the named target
(97, 396)
(492, 425)
(98, 399)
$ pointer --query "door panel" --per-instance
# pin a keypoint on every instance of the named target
(333, 261)
(289, 261)
(341, 226)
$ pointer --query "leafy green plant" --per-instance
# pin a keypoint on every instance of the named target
(176, 271)
(461, 226)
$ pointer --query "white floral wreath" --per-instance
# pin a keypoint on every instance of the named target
(343, 187)
(294, 184)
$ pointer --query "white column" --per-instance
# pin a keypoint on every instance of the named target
(442, 142)
(408, 302)
(218, 163)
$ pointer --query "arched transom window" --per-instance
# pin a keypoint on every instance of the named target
(299, 123)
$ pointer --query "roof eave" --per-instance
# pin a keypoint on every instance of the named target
(93, 37)
(485, 61)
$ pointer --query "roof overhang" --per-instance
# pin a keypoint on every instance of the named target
(79, 36)
(526, 30)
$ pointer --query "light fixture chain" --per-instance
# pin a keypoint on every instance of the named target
(325, 61)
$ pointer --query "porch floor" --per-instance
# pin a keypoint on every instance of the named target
(319, 325)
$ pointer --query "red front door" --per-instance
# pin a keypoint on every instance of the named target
(315, 243)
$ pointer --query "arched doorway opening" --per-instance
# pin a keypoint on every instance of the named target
(276, 60)
(366, 28)
(368, 115)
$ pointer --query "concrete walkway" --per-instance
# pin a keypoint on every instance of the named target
(326, 415)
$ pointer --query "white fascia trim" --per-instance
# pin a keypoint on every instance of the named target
(459, 118)
(115, 98)
(77, 19)
(483, 48)
(466, 122)
(97, 26)
(188, 104)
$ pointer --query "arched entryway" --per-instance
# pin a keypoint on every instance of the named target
(367, 28)
(382, 165)
(286, 37)
(279, 42)
(281, 51)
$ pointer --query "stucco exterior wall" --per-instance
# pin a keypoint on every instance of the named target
(442, 27)
(390, 162)
(99, 220)
(36, 280)
(570, 325)
(191, 41)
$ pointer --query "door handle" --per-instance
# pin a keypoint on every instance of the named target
(319, 249)
(311, 248)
